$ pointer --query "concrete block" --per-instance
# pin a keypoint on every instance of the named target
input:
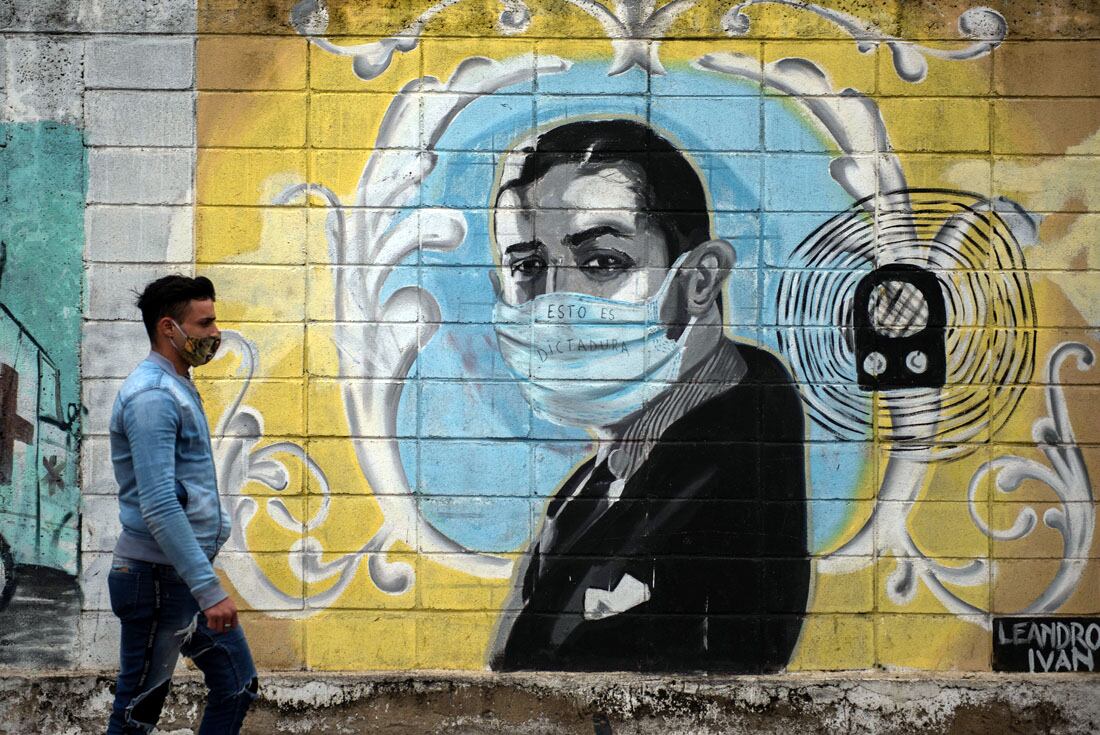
(1048, 183)
(94, 568)
(465, 479)
(253, 293)
(221, 58)
(1014, 68)
(495, 525)
(442, 56)
(112, 349)
(1026, 20)
(453, 645)
(468, 180)
(321, 304)
(139, 63)
(326, 416)
(280, 348)
(99, 524)
(901, 641)
(132, 234)
(112, 288)
(275, 119)
(39, 15)
(342, 120)
(781, 135)
(100, 16)
(97, 475)
(740, 130)
(328, 71)
(276, 643)
(284, 411)
(476, 349)
(474, 305)
(792, 181)
(247, 584)
(473, 410)
(44, 80)
(972, 78)
(98, 398)
(937, 125)
(260, 18)
(488, 115)
(251, 177)
(390, 640)
(252, 235)
(842, 642)
(140, 176)
(345, 537)
(98, 644)
(162, 119)
(138, 16)
(1043, 125)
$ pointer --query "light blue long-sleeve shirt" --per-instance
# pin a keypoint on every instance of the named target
(167, 484)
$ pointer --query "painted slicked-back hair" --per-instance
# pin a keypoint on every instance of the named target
(170, 296)
(672, 191)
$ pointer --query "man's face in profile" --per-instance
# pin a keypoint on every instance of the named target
(579, 229)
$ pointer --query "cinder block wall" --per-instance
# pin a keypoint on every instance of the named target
(850, 512)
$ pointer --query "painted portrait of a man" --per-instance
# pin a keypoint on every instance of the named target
(682, 543)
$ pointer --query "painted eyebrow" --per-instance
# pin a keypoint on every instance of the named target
(579, 238)
(523, 247)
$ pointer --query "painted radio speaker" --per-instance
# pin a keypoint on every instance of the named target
(899, 318)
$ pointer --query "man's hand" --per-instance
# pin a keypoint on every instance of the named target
(221, 616)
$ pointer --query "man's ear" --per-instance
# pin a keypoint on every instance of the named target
(704, 273)
(164, 327)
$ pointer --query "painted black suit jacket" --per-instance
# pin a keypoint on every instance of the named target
(713, 524)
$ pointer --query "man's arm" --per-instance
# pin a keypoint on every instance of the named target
(151, 420)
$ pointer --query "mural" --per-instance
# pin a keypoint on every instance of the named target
(40, 307)
(627, 340)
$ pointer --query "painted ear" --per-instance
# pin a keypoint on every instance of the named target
(705, 272)
(498, 290)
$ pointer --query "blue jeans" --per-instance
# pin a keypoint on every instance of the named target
(161, 619)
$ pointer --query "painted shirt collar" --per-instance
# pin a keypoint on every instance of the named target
(719, 372)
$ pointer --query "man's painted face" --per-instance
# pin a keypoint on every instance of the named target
(580, 231)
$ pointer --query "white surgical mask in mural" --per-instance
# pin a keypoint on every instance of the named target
(586, 360)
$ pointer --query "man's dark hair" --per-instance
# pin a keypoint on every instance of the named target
(170, 296)
(671, 190)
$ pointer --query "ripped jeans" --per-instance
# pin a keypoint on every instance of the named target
(160, 619)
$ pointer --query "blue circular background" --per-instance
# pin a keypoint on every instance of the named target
(482, 463)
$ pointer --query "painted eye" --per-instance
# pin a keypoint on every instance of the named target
(528, 268)
(606, 264)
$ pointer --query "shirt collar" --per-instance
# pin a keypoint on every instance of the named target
(166, 365)
(719, 372)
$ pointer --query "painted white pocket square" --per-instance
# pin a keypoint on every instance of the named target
(628, 593)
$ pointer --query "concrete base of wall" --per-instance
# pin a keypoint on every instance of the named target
(597, 704)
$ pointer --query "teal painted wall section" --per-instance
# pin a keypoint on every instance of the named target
(43, 177)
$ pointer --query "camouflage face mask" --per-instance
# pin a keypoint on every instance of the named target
(196, 350)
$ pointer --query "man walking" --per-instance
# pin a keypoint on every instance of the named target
(162, 582)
